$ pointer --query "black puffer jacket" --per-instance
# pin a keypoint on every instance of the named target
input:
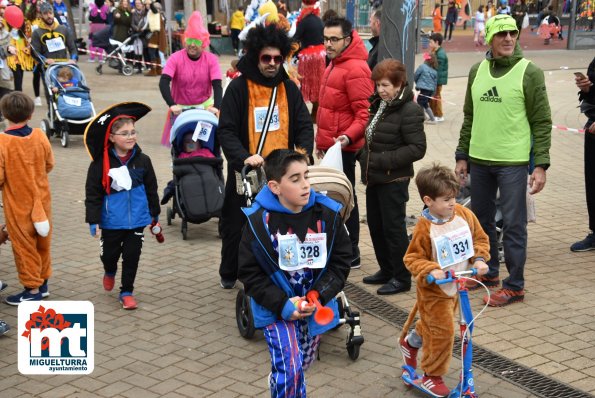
(398, 140)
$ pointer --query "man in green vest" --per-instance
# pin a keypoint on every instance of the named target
(506, 136)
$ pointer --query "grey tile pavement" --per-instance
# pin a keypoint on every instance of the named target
(183, 341)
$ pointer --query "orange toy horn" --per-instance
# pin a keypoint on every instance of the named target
(323, 315)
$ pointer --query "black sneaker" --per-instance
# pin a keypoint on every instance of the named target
(25, 295)
(227, 283)
(584, 245)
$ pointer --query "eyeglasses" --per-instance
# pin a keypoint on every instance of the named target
(266, 59)
(193, 42)
(513, 34)
(333, 40)
(127, 134)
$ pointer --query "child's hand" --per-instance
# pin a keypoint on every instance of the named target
(3, 234)
(482, 267)
(303, 308)
(54, 90)
(438, 274)
(93, 230)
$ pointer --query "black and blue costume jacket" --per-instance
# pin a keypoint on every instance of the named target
(126, 209)
(267, 285)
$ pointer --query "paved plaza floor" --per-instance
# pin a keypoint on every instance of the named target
(182, 341)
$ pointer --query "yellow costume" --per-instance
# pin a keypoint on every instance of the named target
(24, 166)
(23, 56)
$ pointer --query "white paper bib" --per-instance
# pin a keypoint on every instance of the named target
(295, 255)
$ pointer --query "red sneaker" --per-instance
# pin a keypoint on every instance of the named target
(128, 302)
(504, 297)
(433, 385)
(471, 284)
(409, 353)
(108, 282)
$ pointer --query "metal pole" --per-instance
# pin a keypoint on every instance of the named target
(570, 40)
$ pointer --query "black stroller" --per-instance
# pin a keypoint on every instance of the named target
(198, 186)
(70, 108)
(116, 52)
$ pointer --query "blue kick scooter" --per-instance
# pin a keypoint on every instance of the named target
(466, 387)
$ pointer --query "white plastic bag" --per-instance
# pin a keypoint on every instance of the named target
(525, 21)
(531, 215)
(333, 157)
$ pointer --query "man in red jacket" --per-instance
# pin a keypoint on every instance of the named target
(343, 105)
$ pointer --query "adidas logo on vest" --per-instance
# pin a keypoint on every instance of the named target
(491, 95)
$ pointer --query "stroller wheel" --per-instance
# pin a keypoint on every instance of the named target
(244, 315)
(353, 351)
(64, 138)
(127, 70)
(99, 69)
(45, 127)
(170, 215)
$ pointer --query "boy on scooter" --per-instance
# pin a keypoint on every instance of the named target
(447, 236)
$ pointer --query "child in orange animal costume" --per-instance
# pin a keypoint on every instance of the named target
(447, 236)
(26, 158)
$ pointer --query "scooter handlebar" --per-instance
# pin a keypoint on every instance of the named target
(451, 276)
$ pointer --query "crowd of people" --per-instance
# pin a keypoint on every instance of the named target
(364, 106)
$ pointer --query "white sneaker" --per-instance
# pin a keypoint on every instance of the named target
(439, 119)
(37, 101)
(90, 60)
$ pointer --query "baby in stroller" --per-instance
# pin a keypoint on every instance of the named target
(193, 148)
(198, 185)
(65, 79)
(71, 96)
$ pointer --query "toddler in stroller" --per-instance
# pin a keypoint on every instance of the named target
(198, 186)
(69, 101)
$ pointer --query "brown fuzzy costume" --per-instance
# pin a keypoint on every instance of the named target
(24, 166)
(436, 303)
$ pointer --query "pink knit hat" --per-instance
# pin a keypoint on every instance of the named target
(196, 29)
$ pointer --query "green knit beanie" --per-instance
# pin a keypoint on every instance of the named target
(499, 23)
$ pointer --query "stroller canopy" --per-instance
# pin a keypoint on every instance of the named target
(187, 122)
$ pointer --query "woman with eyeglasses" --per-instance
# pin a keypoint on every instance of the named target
(192, 76)
(394, 140)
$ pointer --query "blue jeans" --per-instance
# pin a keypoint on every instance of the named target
(512, 183)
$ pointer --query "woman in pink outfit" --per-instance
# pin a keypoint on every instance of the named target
(98, 18)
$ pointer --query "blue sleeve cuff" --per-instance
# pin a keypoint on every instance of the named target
(288, 309)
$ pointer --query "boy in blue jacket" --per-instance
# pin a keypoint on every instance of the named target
(121, 198)
(294, 242)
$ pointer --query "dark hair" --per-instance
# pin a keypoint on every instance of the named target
(17, 107)
(120, 122)
(329, 14)
(436, 180)
(377, 14)
(390, 69)
(437, 37)
(260, 37)
(278, 161)
(345, 24)
(480, 9)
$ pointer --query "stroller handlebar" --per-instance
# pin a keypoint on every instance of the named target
(451, 276)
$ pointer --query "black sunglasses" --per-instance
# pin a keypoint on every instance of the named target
(266, 59)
